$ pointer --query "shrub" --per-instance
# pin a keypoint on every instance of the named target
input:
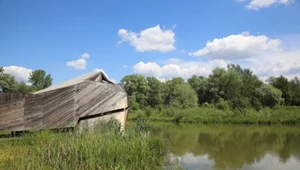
(177, 117)
(148, 111)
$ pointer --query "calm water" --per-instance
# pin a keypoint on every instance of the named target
(245, 147)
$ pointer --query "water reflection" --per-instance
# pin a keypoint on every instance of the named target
(232, 146)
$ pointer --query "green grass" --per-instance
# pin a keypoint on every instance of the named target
(106, 149)
(211, 114)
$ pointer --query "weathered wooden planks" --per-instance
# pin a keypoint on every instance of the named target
(58, 109)
(12, 115)
(64, 105)
(33, 112)
(6, 97)
(103, 98)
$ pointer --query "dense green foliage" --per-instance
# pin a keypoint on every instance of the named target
(295, 88)
(86, 150)
(150, 92)
(269, 95)
(38, 79)
(221, 113)
(137, 89)
(232, 95)
(8, 83)
(155, 88)
(239, 88)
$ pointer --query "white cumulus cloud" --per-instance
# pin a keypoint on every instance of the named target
(276, 64)
(147, 69)
(79, 64)
(20, 73)
(85, 55)
(264, 66)
(150, 39)
(238, 46)
(175, 67)
(262, 55)
(257, 4)
(286, 63)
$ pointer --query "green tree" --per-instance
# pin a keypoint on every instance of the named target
(179, 94)
(8, 83)
(215, 85)
(200, 85)
(235, 85)
(283, 84)
(184, 96)
(231, 85)
(269, 95)
(248, 82)
(137, 89)
(40, 80)
(24, 88)
(295, 88)
(169, 89)
(155, 92)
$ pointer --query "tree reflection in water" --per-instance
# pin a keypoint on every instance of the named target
(231, 146)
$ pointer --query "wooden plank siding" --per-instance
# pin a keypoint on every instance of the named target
(6, 97)
(33, 112)
(62, 107)
(58, 109)
(102, 98)
(12, 115)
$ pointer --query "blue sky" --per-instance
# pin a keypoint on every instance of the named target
(158, 38)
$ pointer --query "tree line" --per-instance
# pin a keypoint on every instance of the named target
(38, 80)
(233, 87)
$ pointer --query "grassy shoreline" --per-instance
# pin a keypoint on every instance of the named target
(106, 148)
(211, 114)
(86, 150)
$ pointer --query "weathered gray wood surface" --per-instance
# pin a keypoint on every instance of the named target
(62, 107)
(6, 97)
(12, 115)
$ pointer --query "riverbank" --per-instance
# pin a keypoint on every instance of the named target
(212, 114)
(105, 149)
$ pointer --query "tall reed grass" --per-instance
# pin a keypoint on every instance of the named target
(212, 114)
(96, 149)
